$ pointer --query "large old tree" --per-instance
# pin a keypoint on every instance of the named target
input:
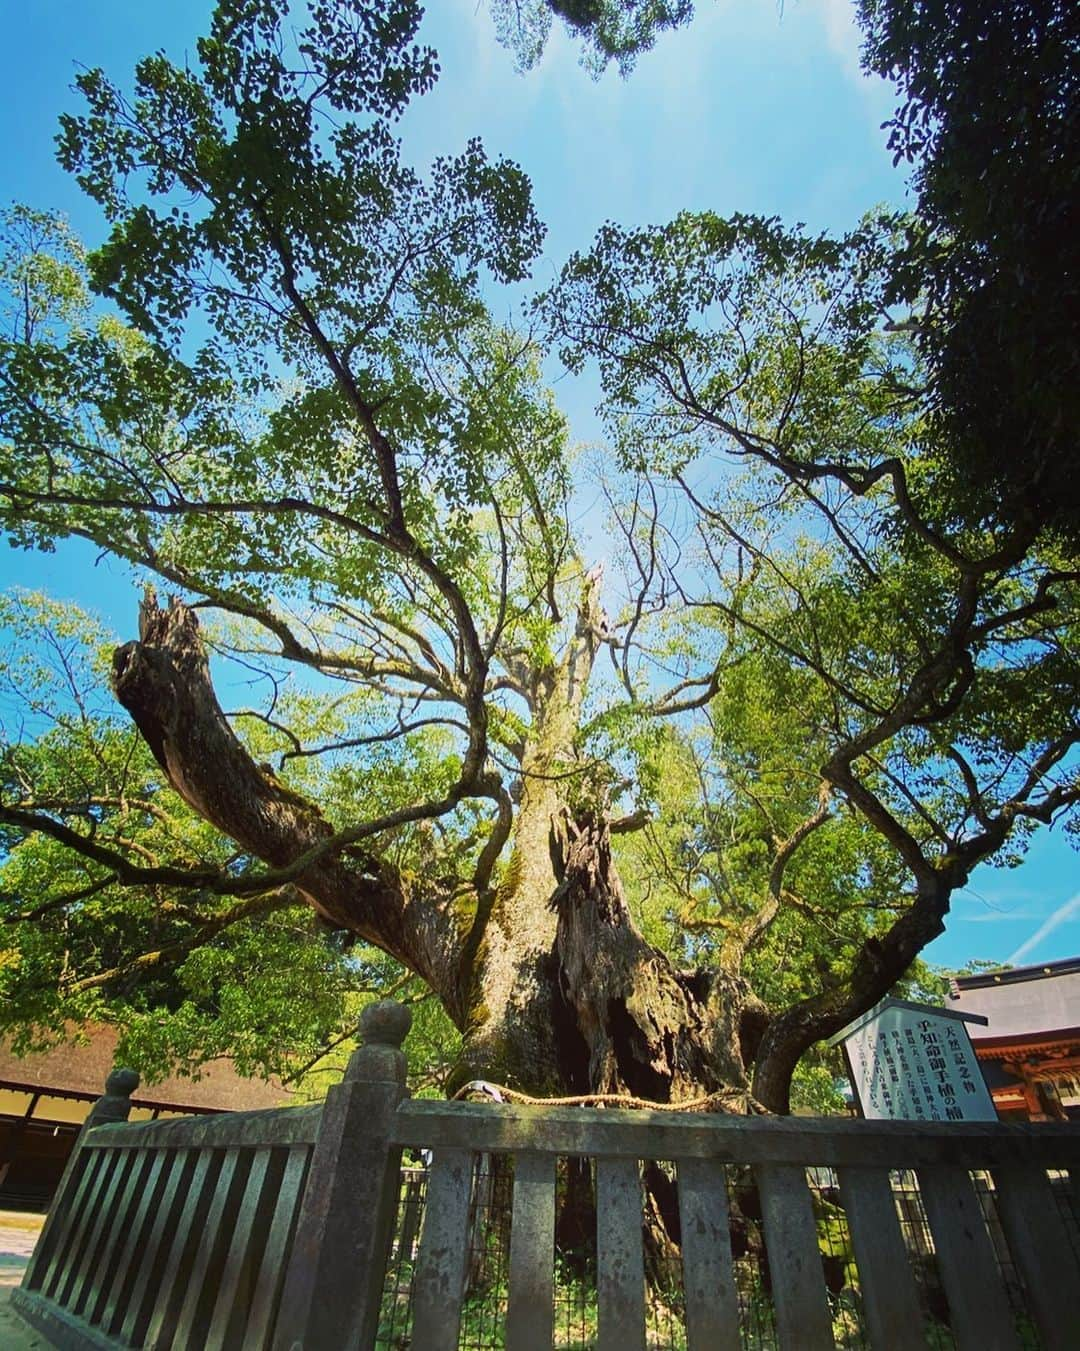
(655, 828)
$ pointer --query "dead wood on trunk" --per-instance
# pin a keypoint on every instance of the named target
(164, 682)
(651, 1030)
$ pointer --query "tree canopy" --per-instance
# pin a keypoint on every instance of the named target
(609, 30)
(989, 122)
(657, 830)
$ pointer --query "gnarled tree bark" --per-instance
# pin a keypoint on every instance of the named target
(555, 988)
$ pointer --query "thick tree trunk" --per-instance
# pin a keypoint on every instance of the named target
(589, 1007)
(559, 994)
(651, 1030)
(566, 997)
(592, 1008)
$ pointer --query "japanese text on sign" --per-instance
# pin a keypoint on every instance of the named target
(910, 1064)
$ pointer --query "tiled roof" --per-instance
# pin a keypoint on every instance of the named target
(1026, 1001)
(80, 1070)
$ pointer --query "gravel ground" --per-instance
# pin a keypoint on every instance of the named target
(18, 1234)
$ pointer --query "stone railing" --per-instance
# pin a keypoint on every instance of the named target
(274, 1229)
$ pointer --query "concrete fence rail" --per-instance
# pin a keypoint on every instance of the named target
(273, 1229)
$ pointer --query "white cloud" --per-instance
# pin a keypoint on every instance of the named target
(842, 34)
(997, 917)
(1061, 914)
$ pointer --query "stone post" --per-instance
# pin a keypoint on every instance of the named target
(333, 1285)
(113, 1105)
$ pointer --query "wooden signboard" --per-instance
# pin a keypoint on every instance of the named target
(915, 1062)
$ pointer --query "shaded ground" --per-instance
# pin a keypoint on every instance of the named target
(18, 1234)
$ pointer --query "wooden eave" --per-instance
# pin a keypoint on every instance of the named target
(1058, 1045)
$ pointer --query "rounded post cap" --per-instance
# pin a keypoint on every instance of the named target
(121, 1083)
(385, 1023)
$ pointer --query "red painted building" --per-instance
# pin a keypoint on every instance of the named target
(1029, 1051)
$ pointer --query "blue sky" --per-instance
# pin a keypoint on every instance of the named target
(754, 108)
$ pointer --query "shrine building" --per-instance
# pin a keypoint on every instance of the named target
(44, 1099)
(1029, 1050)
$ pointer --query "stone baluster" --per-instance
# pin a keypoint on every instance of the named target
(113, 1105)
